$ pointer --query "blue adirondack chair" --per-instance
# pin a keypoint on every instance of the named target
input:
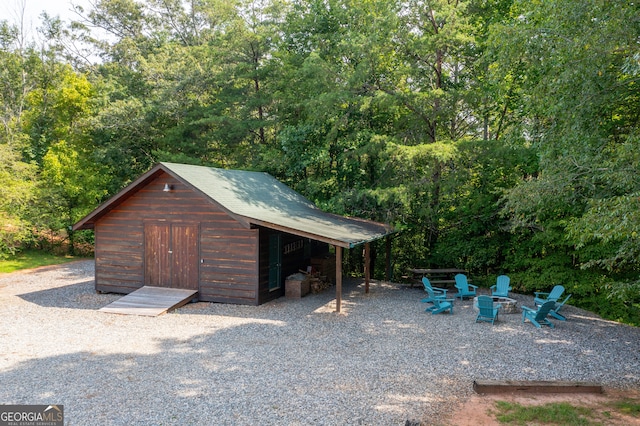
(555, 311)
(438, 292)
(440, 303)
(538, 317)
(487, 310)
(502, 287)
(464, 288)
(553, 295)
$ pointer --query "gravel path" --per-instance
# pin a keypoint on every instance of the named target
(382, 361)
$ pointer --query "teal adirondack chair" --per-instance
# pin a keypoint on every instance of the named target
(487, 310)
(464, 288)
(438, 292)
(555, 311)
(502, 287)
(539, 317)
(554, 295)
(440, 304)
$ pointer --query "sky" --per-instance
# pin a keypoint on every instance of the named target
(10, 10)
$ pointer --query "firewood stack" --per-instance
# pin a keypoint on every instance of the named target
(318, 284)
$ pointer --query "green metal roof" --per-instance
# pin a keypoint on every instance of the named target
(261, 199)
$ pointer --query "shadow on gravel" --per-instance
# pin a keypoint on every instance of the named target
(74, 296)
(254, 373)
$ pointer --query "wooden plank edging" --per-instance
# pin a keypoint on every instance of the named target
(535, 386)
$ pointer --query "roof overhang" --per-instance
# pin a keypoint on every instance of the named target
(345, 243)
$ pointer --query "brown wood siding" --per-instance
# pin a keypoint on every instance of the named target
(228, 251)
(118, 257)
(228, 271)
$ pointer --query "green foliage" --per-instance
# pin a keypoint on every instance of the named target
(70, 187)
(14, 234)
(581, 100)
(20, 67)
(612, 221)
(500, 136)
(70, 182)
(16, 196)
(17, 184)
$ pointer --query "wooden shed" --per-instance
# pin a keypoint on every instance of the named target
(234, 236)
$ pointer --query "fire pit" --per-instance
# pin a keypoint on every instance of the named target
(509, 305)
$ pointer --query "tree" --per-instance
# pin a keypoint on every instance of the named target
(71, 181)
(19, 62)
(581, 104)
(17, 180)
(378, 93)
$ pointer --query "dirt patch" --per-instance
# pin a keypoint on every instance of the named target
(477, 411)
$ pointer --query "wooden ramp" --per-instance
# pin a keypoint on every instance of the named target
(150, 301)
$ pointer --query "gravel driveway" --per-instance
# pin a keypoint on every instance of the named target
(382, 361)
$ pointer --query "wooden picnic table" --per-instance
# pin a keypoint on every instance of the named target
(436, 276)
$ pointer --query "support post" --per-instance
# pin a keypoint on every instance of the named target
(388, 247)
(367, 266)
(338, 278)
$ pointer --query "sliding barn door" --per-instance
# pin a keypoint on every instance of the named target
(171, 255)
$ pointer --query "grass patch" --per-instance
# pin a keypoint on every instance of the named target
(29, 259)
(550, 414)
(628, 407)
